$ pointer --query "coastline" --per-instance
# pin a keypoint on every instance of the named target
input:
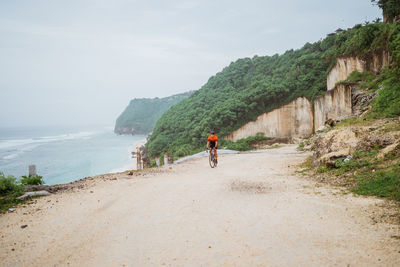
(80, 183)
(65, 155)
(132, 165)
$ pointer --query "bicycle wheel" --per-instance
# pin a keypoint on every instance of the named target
(211, 159)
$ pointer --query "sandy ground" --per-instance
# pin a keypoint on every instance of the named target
(250, 211)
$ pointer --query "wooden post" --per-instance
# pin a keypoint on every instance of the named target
(170, 159)
(32, 170)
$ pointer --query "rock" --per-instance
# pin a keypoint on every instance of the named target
(48, 188)
(330, 122)
(375, 139)
(331, 158)
(30, 188)
(11, 209)
(34, 194)
(321, 128)
(387, 149)
(24, 226)
(335, 144)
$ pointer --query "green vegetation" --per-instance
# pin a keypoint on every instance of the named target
(355, 121)
(387, 103)
(11, 188)
(367, 174)
(141, 114)
(365, 40)
(374, 176)
(252, 86)
(8, 184)
(246, 144)
(302, 145)
(383, 183)
(391, 8)
(366, 80)
(32, 180)
(238, 94)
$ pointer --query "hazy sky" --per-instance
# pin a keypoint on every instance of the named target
(82, 61)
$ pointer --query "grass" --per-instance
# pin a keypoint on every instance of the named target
(365, 121)
(303, 144)
(365, 173)
(306, 166)
(381, 183)
(9, 201)
(273, 146)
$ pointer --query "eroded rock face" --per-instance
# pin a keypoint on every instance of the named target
(290, 121)
(374, 62)
(334, 104)
(361, 101)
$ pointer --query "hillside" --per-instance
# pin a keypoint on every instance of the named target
(140, 116)
(252, 86)
(237, 94)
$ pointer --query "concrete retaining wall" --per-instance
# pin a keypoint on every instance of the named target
(334, 104)
(292, 120)
(374, 62)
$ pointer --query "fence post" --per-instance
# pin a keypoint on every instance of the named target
(158, 161)
(32, 170)
(138, 158)
(166, 163)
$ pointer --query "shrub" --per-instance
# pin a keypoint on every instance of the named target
(8, 184)
(32, 180)
(245, 144)
(357, 76)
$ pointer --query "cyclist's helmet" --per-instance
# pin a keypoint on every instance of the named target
(212, 132)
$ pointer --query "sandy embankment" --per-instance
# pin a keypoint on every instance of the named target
(249, 211)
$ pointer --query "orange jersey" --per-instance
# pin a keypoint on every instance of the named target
(212, 138)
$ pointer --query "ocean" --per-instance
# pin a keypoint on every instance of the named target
(63, 155)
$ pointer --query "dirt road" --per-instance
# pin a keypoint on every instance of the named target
(250, 211)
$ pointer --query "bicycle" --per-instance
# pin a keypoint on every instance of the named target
(211, 158)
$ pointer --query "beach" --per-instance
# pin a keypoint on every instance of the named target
(252, 210)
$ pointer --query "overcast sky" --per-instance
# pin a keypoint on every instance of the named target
(81, 61)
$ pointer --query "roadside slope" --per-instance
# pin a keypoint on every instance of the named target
(251, 210)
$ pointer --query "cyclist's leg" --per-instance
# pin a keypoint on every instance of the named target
(215, 152)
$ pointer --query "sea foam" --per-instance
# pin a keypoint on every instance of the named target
(15, 147)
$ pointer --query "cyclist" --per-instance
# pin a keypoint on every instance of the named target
(212, 142)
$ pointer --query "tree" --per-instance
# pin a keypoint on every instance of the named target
(390, 8)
